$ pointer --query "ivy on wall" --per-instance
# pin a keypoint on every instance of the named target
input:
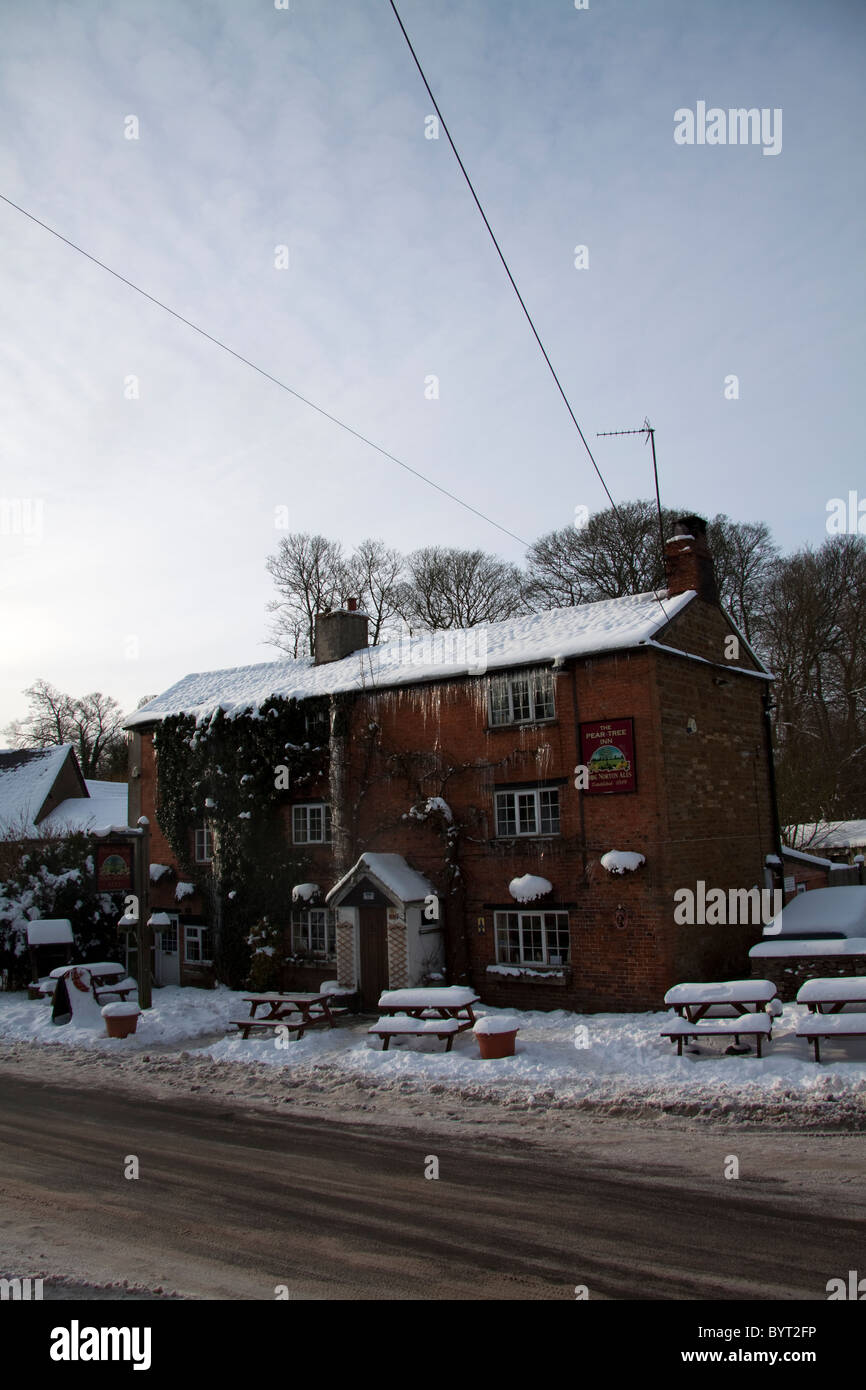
(237, 774)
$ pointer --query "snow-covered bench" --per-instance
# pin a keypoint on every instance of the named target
(122, 987)
(397, 1026)
(294, 1023)
(839, 1026)
(757, 1026)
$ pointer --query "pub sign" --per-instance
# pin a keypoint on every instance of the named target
(607, 751)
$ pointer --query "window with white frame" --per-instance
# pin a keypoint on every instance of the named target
(314, 932)
(529, 811)
(532, 938)
(311, 823)
(203, 845)
(197, 948)
(523, 699)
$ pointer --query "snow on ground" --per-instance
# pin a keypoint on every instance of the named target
(598, 1058)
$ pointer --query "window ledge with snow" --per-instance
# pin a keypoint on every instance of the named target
(531, 974)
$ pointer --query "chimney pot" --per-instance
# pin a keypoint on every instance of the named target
(688, 562)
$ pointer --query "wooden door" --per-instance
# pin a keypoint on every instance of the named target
(372, 926)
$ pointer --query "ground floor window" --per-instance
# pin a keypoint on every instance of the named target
(314, 933)
(532, 938)
(197, 946)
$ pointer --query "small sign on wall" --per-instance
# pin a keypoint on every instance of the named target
(607, 751)
(114, 867)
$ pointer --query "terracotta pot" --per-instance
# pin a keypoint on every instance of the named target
(120, 1026)
(493, 1045)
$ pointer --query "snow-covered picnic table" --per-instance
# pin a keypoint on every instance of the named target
(294, 1010)
(723, 999)
(107, 977)
(829, 996)
(443, 1001)
(101, 970)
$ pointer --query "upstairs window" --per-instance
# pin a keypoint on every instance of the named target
(529, 812)
(311, 823)
(524, 699)
(203, 845)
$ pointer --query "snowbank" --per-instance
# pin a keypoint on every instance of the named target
(571, 1058)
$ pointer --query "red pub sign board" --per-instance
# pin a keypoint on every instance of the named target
(114, 867)
(607, 750)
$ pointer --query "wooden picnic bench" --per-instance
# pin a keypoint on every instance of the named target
(447, 1002)
(758, 1026)
(723, 999)
(107, 977)
(829, 996)
(122, 987)
(397, 1026)
(833, 1025)
(825, 999)
(295, 1011)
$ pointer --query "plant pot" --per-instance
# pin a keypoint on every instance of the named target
(492, 1045)
(120, 1025)
(34, 992)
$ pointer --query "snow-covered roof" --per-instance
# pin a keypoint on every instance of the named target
(609, 625)
(50, 931)
(830, 834)
(27, 776)
(391, 873)
(106, 805)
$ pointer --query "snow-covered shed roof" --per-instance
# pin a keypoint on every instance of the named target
(105, 805)
(609, 625)
(27, 777)
(391, 873)
(50, 931)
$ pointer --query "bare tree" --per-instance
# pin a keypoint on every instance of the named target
(310, 574)
(809, 631)
(92, 724)
(743, 557)
(619, 553)
(374, 573)
(448, 588)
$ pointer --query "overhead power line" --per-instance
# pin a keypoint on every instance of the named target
(529, 320)
(507, 270)
(356, 434)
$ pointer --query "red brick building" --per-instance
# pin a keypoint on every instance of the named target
(516, 805)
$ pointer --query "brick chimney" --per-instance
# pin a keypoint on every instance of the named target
(340, 633)
(688, 562)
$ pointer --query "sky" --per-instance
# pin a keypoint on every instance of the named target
(146, 474)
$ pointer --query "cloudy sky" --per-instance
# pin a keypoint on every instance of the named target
(143, 467)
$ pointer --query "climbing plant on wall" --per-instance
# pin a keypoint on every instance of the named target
(238, 773)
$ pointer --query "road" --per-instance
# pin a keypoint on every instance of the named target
(232, 1202)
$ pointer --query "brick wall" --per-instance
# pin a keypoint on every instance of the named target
(701, 811)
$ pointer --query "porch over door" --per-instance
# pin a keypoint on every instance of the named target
(372, 930)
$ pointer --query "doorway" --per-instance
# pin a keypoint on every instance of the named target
(373, 934)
